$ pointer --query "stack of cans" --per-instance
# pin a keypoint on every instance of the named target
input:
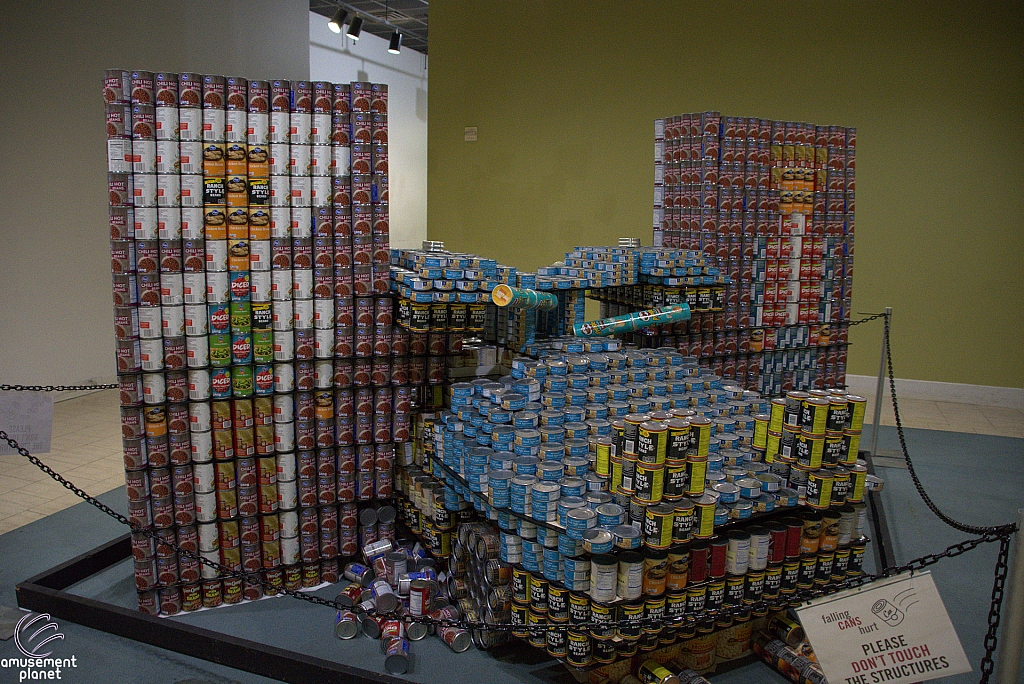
(775, 200)
(442, 299)
(254, 327)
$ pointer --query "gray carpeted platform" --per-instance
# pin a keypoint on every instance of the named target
(976, 478)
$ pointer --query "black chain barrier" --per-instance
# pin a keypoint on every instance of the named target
(56, 388)
(1000, 533)
(872, 317)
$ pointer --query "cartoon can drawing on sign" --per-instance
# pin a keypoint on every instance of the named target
(891, 631)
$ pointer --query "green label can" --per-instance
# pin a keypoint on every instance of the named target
(263, 346)
(555, 640)
(678, 439)
(814, 415)
(241, 381)
(776, 418)
(773, 581)
(579, 607)
(241, 316)
(220, 350)
(477, 317)
(851, 447)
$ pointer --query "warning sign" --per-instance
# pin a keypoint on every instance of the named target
(889, 632)
(28, 418)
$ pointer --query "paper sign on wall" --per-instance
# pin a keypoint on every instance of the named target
(28, 418)
(888, 632)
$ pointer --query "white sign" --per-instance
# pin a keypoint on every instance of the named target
(471, 133)
(888, 632)
(28, 418)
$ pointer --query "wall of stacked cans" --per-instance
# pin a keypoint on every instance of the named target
(775, 202)
(263, 391)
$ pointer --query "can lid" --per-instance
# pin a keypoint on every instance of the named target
(386, 514)
(346, 629)
(460, 641)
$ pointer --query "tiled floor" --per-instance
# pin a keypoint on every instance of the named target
(86, 448)
(944, 415)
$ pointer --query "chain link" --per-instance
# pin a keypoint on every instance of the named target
(995, 608)
(872, 317)
(56, 388)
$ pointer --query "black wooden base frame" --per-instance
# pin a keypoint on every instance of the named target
(46, 593)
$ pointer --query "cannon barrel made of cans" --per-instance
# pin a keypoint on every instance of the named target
(519, 298)
(632, 321)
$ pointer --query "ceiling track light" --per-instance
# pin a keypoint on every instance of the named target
(395, 47)
(354, 27)
(338, 20)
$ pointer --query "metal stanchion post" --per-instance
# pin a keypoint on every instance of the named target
(1011, 638)
(878, 389)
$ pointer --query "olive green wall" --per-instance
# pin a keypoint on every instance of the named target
(565, 94)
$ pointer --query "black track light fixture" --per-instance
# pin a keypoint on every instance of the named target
(395, 47)
(354, 27)
(338, 20)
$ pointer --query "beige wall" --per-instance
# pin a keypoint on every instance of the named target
(565, 94)
(55, 302)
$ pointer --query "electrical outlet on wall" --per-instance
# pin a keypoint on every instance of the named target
(471, 135)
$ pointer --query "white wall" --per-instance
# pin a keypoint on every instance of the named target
(55, 301)
(335, 58)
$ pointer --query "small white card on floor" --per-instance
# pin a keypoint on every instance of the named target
(28, 418)
(887, 632)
